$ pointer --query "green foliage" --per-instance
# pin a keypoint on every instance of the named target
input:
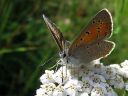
(26, 44)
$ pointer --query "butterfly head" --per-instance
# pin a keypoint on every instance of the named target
(64, 54)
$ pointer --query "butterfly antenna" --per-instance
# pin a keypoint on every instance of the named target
(58, 62)
(45, 62)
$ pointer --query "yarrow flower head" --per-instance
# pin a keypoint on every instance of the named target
(47, 77)
(93, 80)
(81, 73)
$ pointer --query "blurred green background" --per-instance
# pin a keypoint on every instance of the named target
(26, 43)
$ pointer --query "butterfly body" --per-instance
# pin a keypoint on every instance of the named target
(90, 45)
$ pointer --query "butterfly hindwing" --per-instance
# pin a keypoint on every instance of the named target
(93, 51)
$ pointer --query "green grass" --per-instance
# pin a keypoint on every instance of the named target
(26, 44)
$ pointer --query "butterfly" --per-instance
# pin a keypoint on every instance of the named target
(90, 45)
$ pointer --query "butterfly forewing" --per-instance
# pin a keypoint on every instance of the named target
(91, 44)
(57, 35)
(99, 28)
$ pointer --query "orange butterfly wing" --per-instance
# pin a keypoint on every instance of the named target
(99, 28)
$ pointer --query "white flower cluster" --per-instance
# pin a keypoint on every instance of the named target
(95, 80)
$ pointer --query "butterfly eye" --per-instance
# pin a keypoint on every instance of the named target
(64, 55)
